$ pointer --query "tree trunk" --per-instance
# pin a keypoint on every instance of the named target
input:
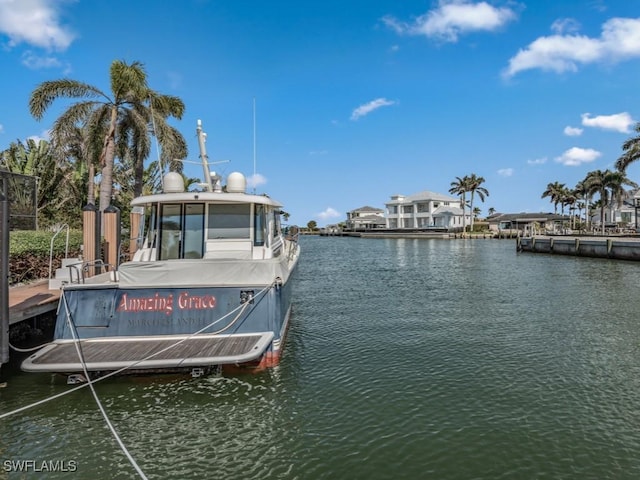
(108, 155)
(91, 185)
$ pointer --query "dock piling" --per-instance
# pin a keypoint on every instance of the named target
(4, 271)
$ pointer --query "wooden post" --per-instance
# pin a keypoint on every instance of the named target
(112, 236)
(4, 271)
(135, 217)
(91, 238)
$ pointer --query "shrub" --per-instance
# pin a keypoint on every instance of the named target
(29, 253)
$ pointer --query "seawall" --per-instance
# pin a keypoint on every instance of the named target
(620, 248)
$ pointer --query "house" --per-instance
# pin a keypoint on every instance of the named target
(365, 218)
(425, 210)
(624, 215)
(549, 222)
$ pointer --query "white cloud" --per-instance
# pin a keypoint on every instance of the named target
(537, 161)
(44, 135)
(572, 131)
(505, 172)
(576, 156)
(619, 40)
(255, 180)
(328, 214)
(367, 108)
(452, 18)
(36, 62)
(34, 22)
(620, 122)
(565, 25)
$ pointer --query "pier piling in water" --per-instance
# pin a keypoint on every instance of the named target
(4, 274)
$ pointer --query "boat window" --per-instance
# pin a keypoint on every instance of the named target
(276, 224)
(193, 230)
(170, 231)
(228, 221)
(259, 225)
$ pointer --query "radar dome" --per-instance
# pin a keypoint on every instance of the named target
(236, 183)
(173, 183)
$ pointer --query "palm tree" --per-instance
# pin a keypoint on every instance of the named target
(596, 182)
(615, 184)
(491, 211)
(123, 119)
(631, 150)
(460, 186)
(609, 185)
(474, 185)
(554, 191)
(582, 192)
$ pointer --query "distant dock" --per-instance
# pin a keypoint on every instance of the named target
(619, 248)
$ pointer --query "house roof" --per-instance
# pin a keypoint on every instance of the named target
(424, 195)
(443, 211)
(368, 209)
(369, 219)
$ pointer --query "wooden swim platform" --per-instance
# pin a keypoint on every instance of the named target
(159, 352)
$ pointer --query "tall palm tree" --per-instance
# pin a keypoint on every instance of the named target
(596, 182)
(609, 185)
(123, 119)
(460, 187)
(581, 192)
(554, 191)
(631, 150)
(615, 183)
(474, 186)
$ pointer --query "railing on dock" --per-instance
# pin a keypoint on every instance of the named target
(66, 247)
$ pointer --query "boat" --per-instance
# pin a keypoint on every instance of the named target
(207, 289)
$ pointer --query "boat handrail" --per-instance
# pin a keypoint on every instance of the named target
(79, 269)
(66, 248)
(292, 236)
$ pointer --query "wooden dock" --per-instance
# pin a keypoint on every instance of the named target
(29, 301)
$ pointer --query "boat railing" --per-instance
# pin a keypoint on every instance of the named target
(78, 271)
(291, 237)
(66, 248)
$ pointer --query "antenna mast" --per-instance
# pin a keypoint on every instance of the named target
(203, 156)
(254, 144)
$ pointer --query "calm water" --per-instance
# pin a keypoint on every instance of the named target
(435, 359)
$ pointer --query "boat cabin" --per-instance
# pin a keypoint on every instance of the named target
(208, 225)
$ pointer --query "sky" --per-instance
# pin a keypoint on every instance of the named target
(329, 106)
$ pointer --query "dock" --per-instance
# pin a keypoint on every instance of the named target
(31, 300)
(618, 248)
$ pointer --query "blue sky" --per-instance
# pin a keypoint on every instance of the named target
(356, 100)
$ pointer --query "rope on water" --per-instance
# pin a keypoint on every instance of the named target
(117, 372)
(76, 342)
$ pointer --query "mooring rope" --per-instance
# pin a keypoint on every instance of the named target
(76, 342)
(117, 372)
(27, 350)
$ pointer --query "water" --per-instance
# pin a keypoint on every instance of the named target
(435, 359)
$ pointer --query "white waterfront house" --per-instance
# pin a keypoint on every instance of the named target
(365, 218)
(425, 210)
(620, 215)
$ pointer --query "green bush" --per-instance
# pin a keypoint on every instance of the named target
(29, 253)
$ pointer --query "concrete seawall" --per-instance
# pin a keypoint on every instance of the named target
(620, 248)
